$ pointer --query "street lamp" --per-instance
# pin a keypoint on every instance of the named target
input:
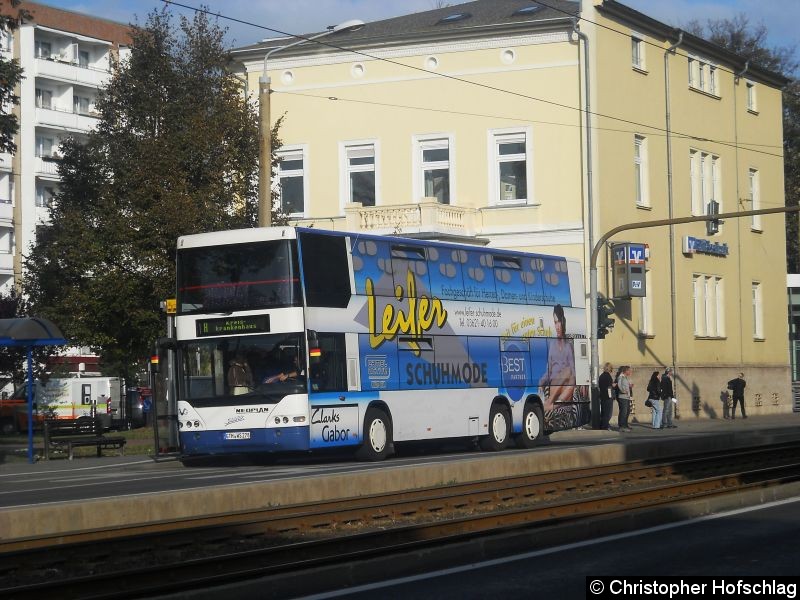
(265, 133)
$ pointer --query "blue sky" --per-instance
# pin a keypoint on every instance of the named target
(299, 16)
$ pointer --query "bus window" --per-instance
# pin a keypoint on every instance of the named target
(416, 364)
(408, 263)
(510, 284)
(532, 276)
(372, 262)
(555, 284)
(325, 271)
(329, 373)
(444, 265)
(451, 354)
(479, 277)
(238, 277)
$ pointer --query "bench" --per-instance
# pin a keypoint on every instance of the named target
(61, 434)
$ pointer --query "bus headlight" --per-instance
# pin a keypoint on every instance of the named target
(277, 420)
(285, 420)
(299, 419)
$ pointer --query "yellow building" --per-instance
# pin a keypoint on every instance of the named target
(469, 123)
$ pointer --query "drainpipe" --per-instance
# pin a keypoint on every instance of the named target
(671, 208)
(589, 180)
(736, 79)
(593, 341)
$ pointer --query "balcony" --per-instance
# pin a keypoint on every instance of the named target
(71, 72)
(47, 166)
(6, 262)
(6, 210)
(63, 119)
(428, 218)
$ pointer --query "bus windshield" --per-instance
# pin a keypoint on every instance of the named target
(262, 366)
(238, 277)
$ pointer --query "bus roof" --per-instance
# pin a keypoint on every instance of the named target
(263, 234)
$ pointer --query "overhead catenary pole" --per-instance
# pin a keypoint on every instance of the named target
(594, 358)
(265, 126)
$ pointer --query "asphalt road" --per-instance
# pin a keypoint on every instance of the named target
(756, 541)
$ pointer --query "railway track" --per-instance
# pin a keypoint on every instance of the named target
(198, 553)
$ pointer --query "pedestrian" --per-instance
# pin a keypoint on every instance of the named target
(737, 391)
(606, 385)
(654, 398)
(667, 395)
(624, 396)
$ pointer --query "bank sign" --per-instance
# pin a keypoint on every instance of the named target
(692, 245)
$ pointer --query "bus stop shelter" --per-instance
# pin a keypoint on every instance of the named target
(27, 333)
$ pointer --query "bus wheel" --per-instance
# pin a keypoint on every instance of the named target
(532, 427)
(377, 439)
(499, 429)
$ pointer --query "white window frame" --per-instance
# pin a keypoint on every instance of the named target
(708, 295)
(638, 52)
(6, 240)
(292, 153)
(7, 186)
(646, 308)
(754, 185)
(752, 98)
(428, 142)
(705, 175)
(703, 76)
(758, 310)
(43, 49)
(345, 169)
(44, 98)
(45, 195)
(640, 169)
(41, 142)
(505, 135)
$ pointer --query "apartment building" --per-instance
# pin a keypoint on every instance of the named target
(540, 127)
(66, 58)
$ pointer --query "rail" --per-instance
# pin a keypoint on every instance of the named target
(197, 553)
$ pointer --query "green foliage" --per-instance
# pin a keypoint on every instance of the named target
(175, 152)
(750, 41)
(10, 76)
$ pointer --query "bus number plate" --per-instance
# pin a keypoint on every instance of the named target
(237, 435)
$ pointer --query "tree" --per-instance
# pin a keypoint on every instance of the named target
(750, 41)
(175, 152)
(10, 76)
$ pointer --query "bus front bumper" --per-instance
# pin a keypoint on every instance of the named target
(278, 439)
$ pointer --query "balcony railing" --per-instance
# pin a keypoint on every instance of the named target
(71, 71)
(47, 165)
(427, 216)
(68, 119)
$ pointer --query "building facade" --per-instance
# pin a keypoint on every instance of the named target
(66, 58)
(516, 125)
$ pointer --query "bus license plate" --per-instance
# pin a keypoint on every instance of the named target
(237, 435)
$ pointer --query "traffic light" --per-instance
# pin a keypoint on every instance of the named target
(604, 321)
(712, 226)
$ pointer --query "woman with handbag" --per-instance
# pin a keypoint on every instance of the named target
(654, 400)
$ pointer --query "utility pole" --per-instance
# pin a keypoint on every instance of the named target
(593, 283)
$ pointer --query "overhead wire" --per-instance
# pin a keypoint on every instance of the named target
(325, 42)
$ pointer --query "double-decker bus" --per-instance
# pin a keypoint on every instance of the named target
(297, 339)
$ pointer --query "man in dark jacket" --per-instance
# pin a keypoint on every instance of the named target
(667, 394)
(737, 391)
(607, 394)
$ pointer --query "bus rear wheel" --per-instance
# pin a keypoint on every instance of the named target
(532, 427)
(377, 439)
(499, 429)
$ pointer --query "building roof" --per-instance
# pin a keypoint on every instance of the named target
(440, 23)
(72, 22)
(619, 11)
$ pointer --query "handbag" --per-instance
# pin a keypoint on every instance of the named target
(648, 403)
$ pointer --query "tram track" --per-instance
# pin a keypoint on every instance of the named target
(155, 558)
